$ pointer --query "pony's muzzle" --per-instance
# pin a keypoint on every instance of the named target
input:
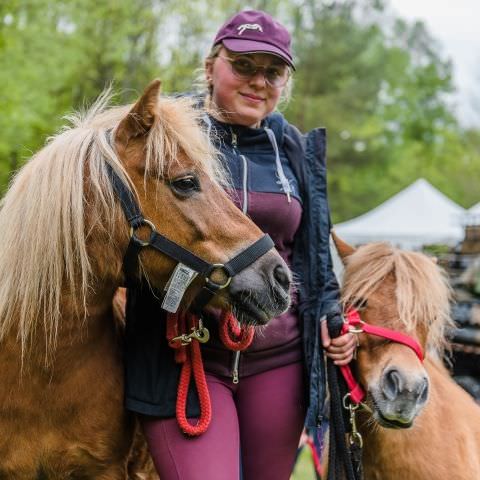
(403, 394)
(262, 291)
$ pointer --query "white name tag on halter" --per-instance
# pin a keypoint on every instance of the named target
(181, 278)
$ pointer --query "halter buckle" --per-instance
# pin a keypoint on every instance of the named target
(355, 330)
(138, 240)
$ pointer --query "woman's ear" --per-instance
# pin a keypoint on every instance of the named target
(209, 70)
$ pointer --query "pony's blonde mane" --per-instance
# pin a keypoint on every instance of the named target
(43, 248)
(422, 289)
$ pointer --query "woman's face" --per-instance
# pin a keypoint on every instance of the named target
(242, 101)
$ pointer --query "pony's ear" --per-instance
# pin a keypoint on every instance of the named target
(343, 248)
(142, 115)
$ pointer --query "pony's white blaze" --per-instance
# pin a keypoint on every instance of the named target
(43, 248)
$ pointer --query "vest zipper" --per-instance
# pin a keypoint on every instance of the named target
(236, 355)
(244, 172)
(245, 184)
(236, 361)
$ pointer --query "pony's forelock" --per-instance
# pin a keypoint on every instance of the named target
(43, 248)
(422, 290)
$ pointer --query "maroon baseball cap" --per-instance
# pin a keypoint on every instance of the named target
(254, 31)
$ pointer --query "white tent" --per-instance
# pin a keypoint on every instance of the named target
(475, 210)
(473, 215)
(418, 215)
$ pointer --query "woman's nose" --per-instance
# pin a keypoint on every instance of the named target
(258, 79)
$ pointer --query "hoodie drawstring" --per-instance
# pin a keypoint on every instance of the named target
(286, 187)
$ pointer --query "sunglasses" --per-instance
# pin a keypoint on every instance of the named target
(245, 68)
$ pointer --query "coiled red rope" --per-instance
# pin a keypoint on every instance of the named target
(233, 336)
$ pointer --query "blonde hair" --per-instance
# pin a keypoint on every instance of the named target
(422, 289)
(43, 245)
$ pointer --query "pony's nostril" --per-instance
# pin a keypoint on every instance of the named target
(423, 391)
(392, 384)
(281, 276)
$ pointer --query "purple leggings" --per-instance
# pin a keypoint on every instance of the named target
(261, 417)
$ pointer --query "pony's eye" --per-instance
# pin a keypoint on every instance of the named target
(185, 186)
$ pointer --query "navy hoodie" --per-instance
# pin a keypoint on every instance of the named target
(249, 155)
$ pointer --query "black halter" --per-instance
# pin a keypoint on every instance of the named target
(159, 242)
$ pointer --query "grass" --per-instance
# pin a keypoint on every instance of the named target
(304, 469)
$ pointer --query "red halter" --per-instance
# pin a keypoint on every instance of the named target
(354, 324)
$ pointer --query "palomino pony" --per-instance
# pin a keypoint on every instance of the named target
(63, 239)
(421, 424)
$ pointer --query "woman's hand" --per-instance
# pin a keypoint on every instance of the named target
(340, 349)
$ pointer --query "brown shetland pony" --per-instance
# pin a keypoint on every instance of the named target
(423, 426)
(63, 237)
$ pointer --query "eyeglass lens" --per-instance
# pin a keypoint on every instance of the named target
(275, 75)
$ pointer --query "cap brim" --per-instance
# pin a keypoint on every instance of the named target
(251, 46)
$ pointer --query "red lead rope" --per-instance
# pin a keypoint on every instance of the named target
(234, 336)
(188, 354)
(354, 324)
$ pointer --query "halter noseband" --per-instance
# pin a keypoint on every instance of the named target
(162, 244)
(354, 324)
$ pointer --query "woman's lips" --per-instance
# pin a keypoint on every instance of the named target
(252, 98)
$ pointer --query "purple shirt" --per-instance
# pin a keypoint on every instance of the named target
(278, 343)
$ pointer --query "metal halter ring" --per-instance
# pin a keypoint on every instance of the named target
(141, 242)
(348, 403)
(218, 266)
(355, 328)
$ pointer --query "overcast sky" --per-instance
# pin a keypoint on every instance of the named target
(455, 24)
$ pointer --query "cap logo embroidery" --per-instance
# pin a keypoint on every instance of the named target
(249, 26)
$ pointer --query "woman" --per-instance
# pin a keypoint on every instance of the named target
(259, 405)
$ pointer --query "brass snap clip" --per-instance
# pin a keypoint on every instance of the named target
(354, 437)
(201, 334)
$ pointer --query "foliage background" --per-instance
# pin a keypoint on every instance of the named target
(377, 82)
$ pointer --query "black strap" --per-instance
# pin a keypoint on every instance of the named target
(164, 245)
(344, 462)
(178, 253)
(130, 262)
(232, 267)
(125, 195)
(248, 256)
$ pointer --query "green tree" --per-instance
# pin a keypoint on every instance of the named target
(376, 82)
(58, 56)
(381, 92)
